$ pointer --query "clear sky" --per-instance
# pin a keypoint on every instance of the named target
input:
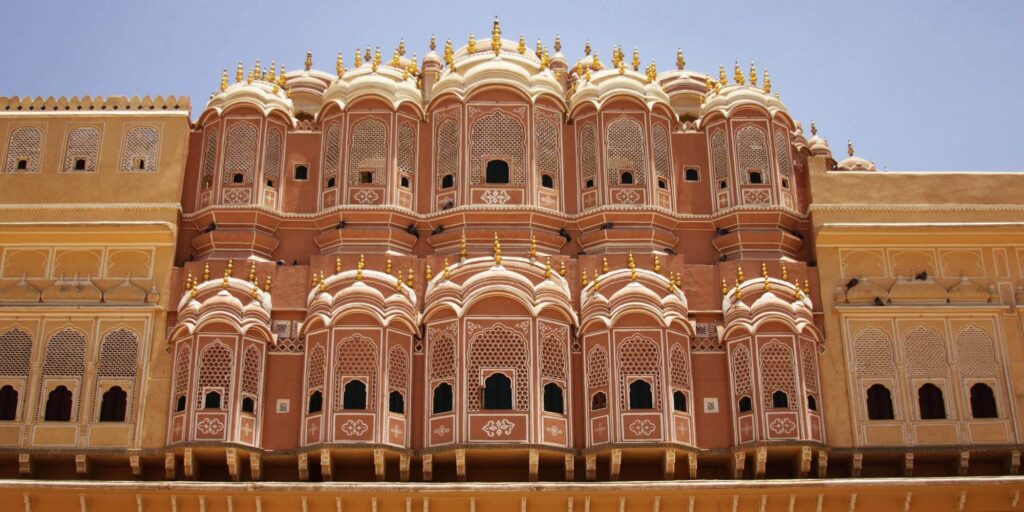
(917, 85)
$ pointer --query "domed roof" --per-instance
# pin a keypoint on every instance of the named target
(725, 99)
(817, 145)
(394, 81)
(855, 163)
(264, 90)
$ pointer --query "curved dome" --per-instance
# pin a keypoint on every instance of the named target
(393, 84)
(512, 66)
(606, 84)
(855, 163)
(265, 94)
(729, 98)
(306, 89)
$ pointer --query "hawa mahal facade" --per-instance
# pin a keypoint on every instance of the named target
(496, 278)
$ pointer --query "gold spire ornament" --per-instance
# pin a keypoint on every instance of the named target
(272, 76)
(622, 68)
(764, 270)
(725, 287)
(709, 85)
(561, 268)
(282, 81)
(522, 45)
(657, 264)
(252, 271)
(616, 57)
(671, 285)
(680, 61)
(547, 268)
(433, 43)
(753, 75)
(446, 269)
(721, 75)
(387, 267)
(368, 55)
(737, 74)
(471, 46)
(462, 247)
(545, 60)
(632, 266)
(586, 48)
(533, 246)
(339, 65)
(309, 60)
(558, 43)
(496, 37)
(583, 278)
(430, 274)
(849, 147)
(597, 63)
(604, 264)
(497, 249)
(799, 292)
(449, 55)
(337, 265)
(636, 59)
(807, 286)
(376, 59)
(410, 277)
(239, 74)
(767, 82)
(395, 59)
(597, 282)
(814, 129)
(323, 287)
(401, 47)
(413, 67)
(652, 72)
(539, 48)
(359, 58)
(224, 80)
(785, 274)
(266, 284)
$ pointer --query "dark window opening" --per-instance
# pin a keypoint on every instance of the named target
(212, 400)
(248, 405)
(598, 401)
(780, 400)
(553, 399)
(880, 403)
(80, 164)
(180, 405)
(238, 178)
(497, 392)
(497, 172)
(663, 184)
(746, 404)
(983, 401)
(141, 164)
(626, 178)
(547, 181)
(114, 404)
(316, 402)
(679, 401)
(330, 182)
(270, 183)
(812, 403)
(355, 395)
(640, 396)
(723, 184)
(8, 403)
(590, 184)
(931, 403)
(301, 172)
(404, 182)
(448, 181)
(58, 405)
(785, 183)
(366, 177)
(396, 403)
(692, 175)
(442, 398)
(22, 164)
(755, 178)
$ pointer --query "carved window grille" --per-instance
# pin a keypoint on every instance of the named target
(588, 152)
(719, 155)
(407, 149)
(119, 354)
(83, 150)
(782, 157)
(662, 151)
(626, 151)
(447, 149)
(925, 352)
(356, 358)
(752, 153)
(597, 367)
(315, 368)
(24, 148)
(976, 353)
(210, 158)
(548, 151)
(680, 370)
(240, 152)
(498, 347)
(442, 356)
(809, 365)
(705, 338)
(332, 150)
(639, 356)
(742, 372)
(398, 369)
(251, 371)
(141, 151)
(215, 362)
(874, 353)
(500, 136)
(777, 372)
(183, 367)
(65, 354)
(554, 354)
(368, 151)
(15, 353)
(272, 154)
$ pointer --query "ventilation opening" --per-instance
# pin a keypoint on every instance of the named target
(679, 401)
(114, 404)
(599, 401)
(270, 183)
(723, 184)
(248, 405)
(498, 392)
(692, 175)
(547, 181)
(8, 403)
(590, 184)
(780, 400)
(880, 403)
(140, 164)
(355, 395)
(812, 403)
(785, 183)
(212, 400)
(931, 403)
(330, 182)
(553, 399)
(745, 404)
(640, 395)
(238, 178)
(22, 164)
(301, 172)
(755, 178)
(663, 184)
(497, 172)
(396, 403)
(365, 177)
(404, 182)
(626, 178)
(448, 181)
(442, 398)
(180, 405)
(80, 164)
(316, 402)
(58, 405)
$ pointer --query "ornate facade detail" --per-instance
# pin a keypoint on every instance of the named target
(626, 151)
(368, 152)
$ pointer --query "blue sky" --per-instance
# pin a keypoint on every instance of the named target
(917, 85)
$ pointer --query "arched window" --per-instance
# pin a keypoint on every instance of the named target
(785, 183)
(212, 400)
(497, 172)
(553, 400)
(442, 398)
(270, 183)
(626, 178)
(723, 184)
(22, 164)
(745, 404)
(301, 172)
(812, 403)
(755, 178)
(692, 175)
(248, 405)
(880, 403)
(640, 396)
(663, 184)
(679, 401)
(80, 164)
(8, 403)
(238, 178)
(780, 400)
(316, 402)
(931, 403)
(330, 182)
(983, 401)
(140, 164)
(58, 405)
(114, 404)
(448, 181)
(404, 182)
(498, 392)
(355, 395)
(547, 181)
(396, 402)
(590, 184)
(180, 405)
(598, 401)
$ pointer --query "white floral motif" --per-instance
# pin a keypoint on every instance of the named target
(782, 426)
(495, 197)
(396, 432)
(627, 196)
(210, 426)
(366, 196)
(642, 427)
(554, 430)
(500, 428)
(548, 201)
(600, 429)
(314, 429)
(442, 431)
(247, 430)
(354, 428)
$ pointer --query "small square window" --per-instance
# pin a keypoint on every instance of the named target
(692, 175)
(301, 172)
(22, 164)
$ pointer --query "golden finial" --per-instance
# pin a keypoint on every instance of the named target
(547, 268)
(359, 58)
(604, 264)
(680, 61)
(309, 60)
(708, 85)
(725, 287)
(718, 87)
(764, 270)
(368, 54)
(446, 269)
(339, 65)
(616, 57)
(737, 74)
(583, 278)
(387, 267)
(679, 279)
(586, 48)
(398, 283)
(785, 274)
(266, 284)
(799, 292)
(194, 289)
(449, 55)
(395, 61)
(496, 36)
(533, 246)
(561, 268)
(252, 271)
(413, 67)
(622, 68)
(753, 75)
(739, 273)
(522, 45)
(636, 59)
(739, 293)
(807, 286)
(323, 287)
(433, 43)
(632, 266)
(849, 147)
(313, 282)
(671, 284)
(255, 291)
(409, 277)
(224, 80)
(497, 249)
(272, 76)
(256, 69)
(657, 264)
(430, 275)
(405, 73)
(558, 43)
(652, 72)
(586, 76)
(596, 64)
(721, 74)
(188, 280)
(401, 47)
(239, 73)
(376, 59)
(597, 282)
(282, 81)
(248, 77)
(361, 264)
(471, 46)
(767, 82)
(538, 49)
(337, 265)
(777, 96)
(545, 59)
(767, 284)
